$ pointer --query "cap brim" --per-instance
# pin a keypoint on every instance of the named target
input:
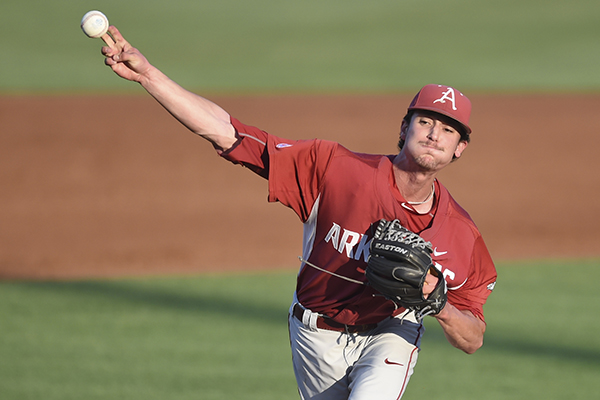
(442, 112)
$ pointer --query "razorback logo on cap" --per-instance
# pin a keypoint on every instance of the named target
(444, 100)
(447, 95)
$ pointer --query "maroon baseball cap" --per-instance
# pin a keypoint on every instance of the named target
(444, 100)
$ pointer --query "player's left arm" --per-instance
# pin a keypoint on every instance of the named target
(462, 318)
(462, 329)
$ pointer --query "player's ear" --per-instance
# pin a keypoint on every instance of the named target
(462, 145)
(403, 129)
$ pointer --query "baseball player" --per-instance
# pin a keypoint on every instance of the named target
(347, 340)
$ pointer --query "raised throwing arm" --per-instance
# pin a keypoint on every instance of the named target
(198, 114)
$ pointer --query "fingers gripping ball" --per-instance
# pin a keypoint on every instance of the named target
(94, 24)
(397, 268)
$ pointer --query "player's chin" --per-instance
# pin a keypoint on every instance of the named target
(433, 162)
(427, 162)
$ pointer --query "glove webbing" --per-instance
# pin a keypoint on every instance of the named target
(403, 235)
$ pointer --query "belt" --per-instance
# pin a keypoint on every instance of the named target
(330, 325)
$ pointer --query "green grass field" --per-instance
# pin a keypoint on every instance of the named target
(313, 45)
(225, 337)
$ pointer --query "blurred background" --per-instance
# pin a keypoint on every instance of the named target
(99, 180)
(267, 45)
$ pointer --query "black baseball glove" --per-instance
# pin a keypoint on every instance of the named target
(398, 265)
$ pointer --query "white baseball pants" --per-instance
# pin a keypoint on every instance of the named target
(375, 365)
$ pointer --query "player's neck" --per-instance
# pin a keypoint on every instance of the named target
(417, 188)
(414, 184)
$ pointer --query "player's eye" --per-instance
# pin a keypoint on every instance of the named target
(450, 129)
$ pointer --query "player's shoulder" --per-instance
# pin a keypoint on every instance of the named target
(453, 209)
(366, 158)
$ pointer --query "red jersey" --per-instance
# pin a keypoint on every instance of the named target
(340, 196)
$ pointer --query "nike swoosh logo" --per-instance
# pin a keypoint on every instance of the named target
(438, 253)
(387, 361)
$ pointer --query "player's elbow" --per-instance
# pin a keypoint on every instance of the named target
(468, 343)
(474, 343)
(473, 346)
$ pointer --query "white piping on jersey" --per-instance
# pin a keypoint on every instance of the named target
(310, 228)
(252, 137)
(310, 231)
(459, 286)
(332, 273)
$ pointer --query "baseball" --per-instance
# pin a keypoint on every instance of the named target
(94, 24)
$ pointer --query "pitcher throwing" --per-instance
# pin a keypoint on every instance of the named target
(350, 340)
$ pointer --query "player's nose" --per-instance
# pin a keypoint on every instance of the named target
(434, 132)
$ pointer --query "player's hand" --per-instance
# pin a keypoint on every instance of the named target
(125, 60)
(430, 282)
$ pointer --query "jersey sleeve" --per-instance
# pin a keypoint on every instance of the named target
(250, 150)
(482, 279)
(295, 168)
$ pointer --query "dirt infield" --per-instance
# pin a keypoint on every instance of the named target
(113, 186)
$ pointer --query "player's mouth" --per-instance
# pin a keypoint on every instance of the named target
(431, 145)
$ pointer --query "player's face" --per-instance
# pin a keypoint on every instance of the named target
(431, 140)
